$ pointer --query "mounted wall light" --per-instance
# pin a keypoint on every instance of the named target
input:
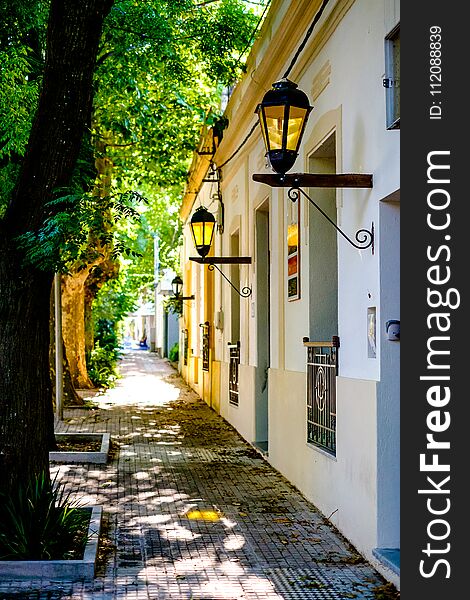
(283, 114)
(202, 227)
(177, 287)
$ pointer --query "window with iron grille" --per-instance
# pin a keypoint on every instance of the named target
(185, 346)
(233, 373)
(322, 368)
(205, 345)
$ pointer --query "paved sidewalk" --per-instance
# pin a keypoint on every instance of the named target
(192, 512)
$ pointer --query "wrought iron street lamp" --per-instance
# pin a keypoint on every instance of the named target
(283, 114)
(177, 287)
(202, 228)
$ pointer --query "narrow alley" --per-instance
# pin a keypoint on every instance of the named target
(191, 511)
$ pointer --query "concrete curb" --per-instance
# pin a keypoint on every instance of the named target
(100, 457)
(59, 570)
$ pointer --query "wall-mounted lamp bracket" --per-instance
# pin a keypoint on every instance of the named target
(364, 237)
(212, 261)
(321, 180)
(295, 181)
(222, 260)
(213, 175)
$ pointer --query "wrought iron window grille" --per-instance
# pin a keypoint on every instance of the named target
(234, 364)
(205, 345)
(322, 369)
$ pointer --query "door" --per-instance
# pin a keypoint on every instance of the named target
(263, 325)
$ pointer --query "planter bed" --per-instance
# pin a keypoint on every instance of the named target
(59, 570)
(99, 456)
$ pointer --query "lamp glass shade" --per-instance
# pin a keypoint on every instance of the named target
(282, 116)
(275, 122)
(202, 228)
(295, 127)
(177, 286)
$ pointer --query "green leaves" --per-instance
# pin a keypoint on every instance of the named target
(160, 73)
(78, 229)
(18, 100)
(40, 522)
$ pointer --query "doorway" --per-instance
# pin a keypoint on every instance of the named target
(323, 249)
(263, 326)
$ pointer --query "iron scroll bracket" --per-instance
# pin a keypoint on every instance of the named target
(212, 261)
(245, 292)
(364, 237)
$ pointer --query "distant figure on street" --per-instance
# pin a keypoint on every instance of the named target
(143, 341)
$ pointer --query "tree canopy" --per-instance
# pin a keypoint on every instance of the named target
(101, 104)
(161, 68)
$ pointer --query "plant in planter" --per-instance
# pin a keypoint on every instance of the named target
(40, 522)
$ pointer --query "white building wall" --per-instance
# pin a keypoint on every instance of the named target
(352, 104)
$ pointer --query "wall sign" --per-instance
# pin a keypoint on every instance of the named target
(293, 250)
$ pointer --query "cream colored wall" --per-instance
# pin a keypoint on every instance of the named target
(366, 147)
(215, 395)
(241, 416)
(351, 103)
(348, 97)
(342, 486)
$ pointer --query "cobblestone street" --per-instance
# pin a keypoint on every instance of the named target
(192, 512)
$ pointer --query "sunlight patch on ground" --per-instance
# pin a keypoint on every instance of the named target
(139, 390)
(234, 542)
(203, 515)
(141, 475)
(228, 524)
(170, 499)
(150, 520)
(175, 532)
(192, 565)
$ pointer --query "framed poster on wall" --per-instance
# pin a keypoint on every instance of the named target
(293, 250)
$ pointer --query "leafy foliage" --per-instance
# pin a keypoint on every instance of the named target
(113, 302)
(18, 99)
(74, 219)
(173, 354)
(160, 74)
(101, 365)
(22, 38)
(40, 522)
(173, 305)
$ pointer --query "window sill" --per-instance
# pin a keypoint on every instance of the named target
(389, 557)
(321, 451)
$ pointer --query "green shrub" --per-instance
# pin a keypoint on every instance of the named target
(173, 354)
(106, 335)
(101, 365)
(40, 522)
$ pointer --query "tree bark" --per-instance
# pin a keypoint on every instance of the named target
(70, 395)
(26, 417)
(73, 326)
(81, 286)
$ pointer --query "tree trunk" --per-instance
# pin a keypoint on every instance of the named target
(26, 417)
(70, 395)
(81, 286)
(73, 326)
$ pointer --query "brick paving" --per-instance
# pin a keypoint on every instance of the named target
(191, 511)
